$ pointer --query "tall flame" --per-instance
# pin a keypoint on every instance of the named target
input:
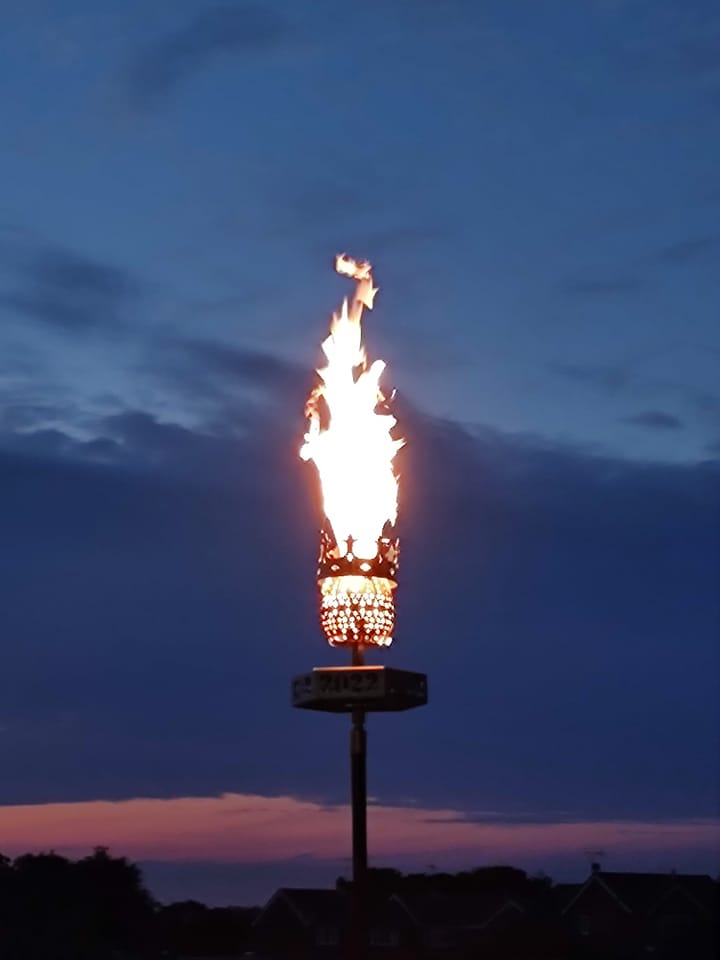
(350, 439)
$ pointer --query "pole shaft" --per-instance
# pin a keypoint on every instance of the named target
(358, 786)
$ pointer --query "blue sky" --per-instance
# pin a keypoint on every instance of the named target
(536, 185)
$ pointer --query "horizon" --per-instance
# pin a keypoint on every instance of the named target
(186, 851)
(206, 882)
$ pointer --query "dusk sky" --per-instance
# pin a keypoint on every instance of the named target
(536, 185)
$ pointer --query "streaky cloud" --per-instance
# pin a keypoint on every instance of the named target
(71, 292)
(242, 28)
(655, 420)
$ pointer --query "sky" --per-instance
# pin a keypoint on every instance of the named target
(536, 187)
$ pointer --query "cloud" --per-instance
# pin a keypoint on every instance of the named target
(288, 833)
(605, 376)
(673, 40)
(612, 379)
(701, 400)
(18, 414)
(341, 217)
(234, 385)
(602, 286)
(685, 252)
(71, 292)
(163, 598)
(677, 256)
(219, 30)
(145, 440)
(655, 420)
(408, 237)
(240, 364)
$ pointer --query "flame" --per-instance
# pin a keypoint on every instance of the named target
(349, 438)
(348, 267)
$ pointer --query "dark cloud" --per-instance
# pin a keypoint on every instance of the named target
(701, 400)
(322, 200)
(655, 420)
(71, 292)
(602, 286)
(146, 439)
(20, 415)
(700, 57)
(564, 606)
(341, 217)
(52, 442)
(242, 364)
(606, 376)
(237, 383)
(677, 255)
(691, 52)
(219, 30)
(13, 233)
(670, 40)
(685, 252)
(410, 237)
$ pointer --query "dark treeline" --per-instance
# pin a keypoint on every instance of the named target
(52, 908)
(499, 880)
(191, 929)
(97, 908)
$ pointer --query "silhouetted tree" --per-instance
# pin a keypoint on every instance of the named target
(117, 910)
(189, 928)
(54, 909)
(500, 880)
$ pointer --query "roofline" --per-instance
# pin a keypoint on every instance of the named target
(509, 902)
(682, 889)
(281, 893)
(592, 878)
(401, 902)
(513, 904)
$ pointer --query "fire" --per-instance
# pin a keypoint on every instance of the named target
(350, 440)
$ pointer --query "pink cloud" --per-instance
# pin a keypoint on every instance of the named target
(253, 829)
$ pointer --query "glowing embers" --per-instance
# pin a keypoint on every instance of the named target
(356, 594)
(357, 610)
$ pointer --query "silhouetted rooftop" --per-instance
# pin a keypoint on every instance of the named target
(316, 907)
(640, 892)
(452, 909)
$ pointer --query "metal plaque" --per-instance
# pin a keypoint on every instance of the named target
(342, 689)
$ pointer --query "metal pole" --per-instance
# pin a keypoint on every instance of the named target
(358, 784)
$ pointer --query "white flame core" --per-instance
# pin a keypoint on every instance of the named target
(353, 451)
